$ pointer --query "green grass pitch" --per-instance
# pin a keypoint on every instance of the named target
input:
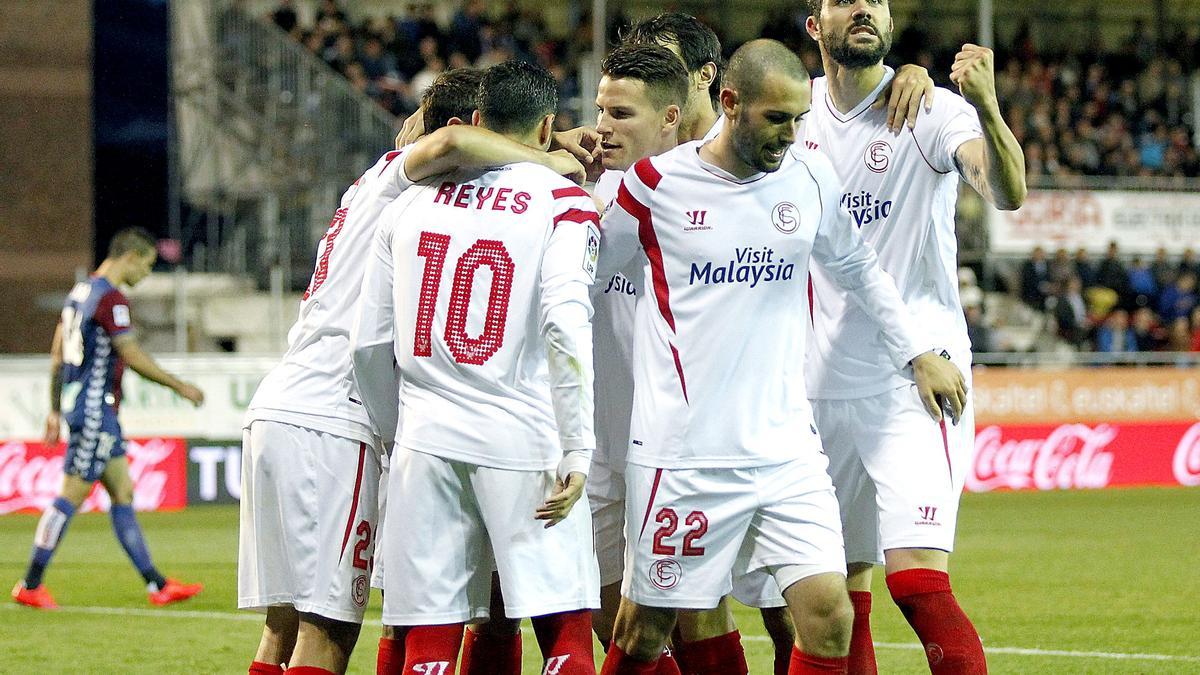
(1047, 577)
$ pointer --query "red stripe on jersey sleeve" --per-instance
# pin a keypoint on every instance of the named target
(653, 253)
(578, 216)
(573, 191)
(647, 173)
(390, 157)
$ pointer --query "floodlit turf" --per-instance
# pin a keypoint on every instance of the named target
(1106, 571)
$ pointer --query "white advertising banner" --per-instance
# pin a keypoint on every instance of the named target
(1140, 222)
(147, 409)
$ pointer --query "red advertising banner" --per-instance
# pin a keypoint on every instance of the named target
(1085, 455)
(31, 474)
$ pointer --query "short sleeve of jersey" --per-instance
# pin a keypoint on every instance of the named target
(576, 219)
(112, 313)
(954, 122)
(393, 169)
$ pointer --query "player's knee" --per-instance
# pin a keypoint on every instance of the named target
(831, 620)
(642, 633)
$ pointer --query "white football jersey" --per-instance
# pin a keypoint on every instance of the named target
(720, 331)
(900, 191)
(612, 339)
(312, 387)
(479, 282)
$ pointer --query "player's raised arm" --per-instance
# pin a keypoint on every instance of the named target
(568, 269)
(143, 364)
(994, 165)
(372, 347)
(853, 265)
(54, 419)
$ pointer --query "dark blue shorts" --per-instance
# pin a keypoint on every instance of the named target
(94, 440)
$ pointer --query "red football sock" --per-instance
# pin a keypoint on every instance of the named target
(667, 665)
(951, 643)
(809, 664)
(390, 660)
(431, 647)
(260, 668)
(862, 648)
(490, 654)
(618, 662)
(721, 655)
(309, 670)
(566, 642)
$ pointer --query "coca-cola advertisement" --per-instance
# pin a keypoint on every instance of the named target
(31, 474)
(1082, 455)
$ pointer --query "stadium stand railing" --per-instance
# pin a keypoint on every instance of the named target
(267, 137)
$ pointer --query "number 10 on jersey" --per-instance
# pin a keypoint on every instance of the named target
(433, 247)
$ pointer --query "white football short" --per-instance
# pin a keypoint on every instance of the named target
(606, 494)
(898, 478)
(692, 531)
(451, 523)
(758, 588)
(307, 521)
(380, 528)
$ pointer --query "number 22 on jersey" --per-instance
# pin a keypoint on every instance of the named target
(467, 350)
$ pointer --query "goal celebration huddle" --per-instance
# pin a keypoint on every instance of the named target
(614, 379)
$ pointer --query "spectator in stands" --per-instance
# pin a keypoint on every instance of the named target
(1164, 271)
(1035, 279)
(1196, 329)
(1084, 269)
(1112, 274)
(1141, 282)
(1070, 313)
(1115, 335)
(1179, 299)
(1147, 332)
(1188, 263)
(465, 28)
(978, 331)
(1062, 268)
(1179, 336)
(330, 11)
(284, 16)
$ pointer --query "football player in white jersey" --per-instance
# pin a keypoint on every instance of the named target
(725, 229)
(311, 454)
(478, 286)
(899, 479)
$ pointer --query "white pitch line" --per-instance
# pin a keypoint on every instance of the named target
(257, 618)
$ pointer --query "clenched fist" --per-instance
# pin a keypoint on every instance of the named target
(973, 73)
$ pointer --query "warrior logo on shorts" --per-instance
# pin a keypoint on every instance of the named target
(785, 217)
(878, 156)
(360, 590)
(665, 573)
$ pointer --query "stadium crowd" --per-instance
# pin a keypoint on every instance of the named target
(1119, 303)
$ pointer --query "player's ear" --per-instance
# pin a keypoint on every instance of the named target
(671, 117)
(706, 75)
(475, 118)
(813, 28)
(729, 102)
(546, 131)
(455, 121)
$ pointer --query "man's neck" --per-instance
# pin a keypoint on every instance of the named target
(849, 86)
(695, 128)
(109, 270)
(719, 152)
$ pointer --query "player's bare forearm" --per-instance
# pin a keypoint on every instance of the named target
(56, 376)
(462, 146)
(994, 165)
(143, 364)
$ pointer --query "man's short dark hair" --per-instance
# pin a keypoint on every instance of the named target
(664, 76)
(697, 43)
(455, 93)
(753, 61)
(814, 8)
(131, 239)
(514, 96)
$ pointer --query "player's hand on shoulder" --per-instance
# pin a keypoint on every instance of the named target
(940, 384)
(584, 144)
(191, 392)
(973, 73)
(53, 429)
(566, 165)
(903, 96)
(412, 129)
(558, 505)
